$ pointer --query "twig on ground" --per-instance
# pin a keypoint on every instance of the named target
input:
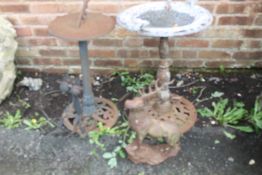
(197, 99)
(189, 84)
(124, 97)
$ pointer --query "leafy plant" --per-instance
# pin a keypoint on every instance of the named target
(133, 84)
(24, 103)
(33, 124)
(227, 115)
(255, 116)
(122, 130)
(112, 156)
(12, 121)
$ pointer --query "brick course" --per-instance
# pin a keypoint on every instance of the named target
(233, 40)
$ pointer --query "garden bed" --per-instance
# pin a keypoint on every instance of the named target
(204, 150)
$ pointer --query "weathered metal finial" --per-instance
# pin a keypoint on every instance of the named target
(83, 14)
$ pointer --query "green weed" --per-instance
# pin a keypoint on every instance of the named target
(11, 121)
(133, 84)
(227, 115)
(255, 116)
(123, 131)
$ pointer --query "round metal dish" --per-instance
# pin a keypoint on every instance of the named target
(153, 19)
(93, 26)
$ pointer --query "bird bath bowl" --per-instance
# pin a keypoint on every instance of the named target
(161, 19)
(161, 113)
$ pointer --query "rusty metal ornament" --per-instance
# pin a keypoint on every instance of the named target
(106, 113)
(81, 26)
(82, 116)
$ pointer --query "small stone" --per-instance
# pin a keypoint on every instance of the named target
(252, 162)
(180, 83)
(239, 95)
(253, 76)
(217, 142)
(213, 122)
(34, 84)
(230, 159)
(96, 83)
(178, 76)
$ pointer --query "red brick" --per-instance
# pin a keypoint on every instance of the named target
(107, 42)
(41, 31)
(14, 8)
(71, 61)
(134, 42)
(258, 20)
(47, 61)
(46, 8)
(209, 7)
(235, 20)
(36, 19)
(226, 43)
(144, 54)
(151, 42)
(53, 53)
(257, 8)
(213, 54)
(252, 44)
(23, 61)
(23, 31)
(102, 53)
(192, 43)
(26, 52)
(73, 53)
(154, 53)
(175, 54)
(217, 64)
(42, 42)
(256, 55)
(124, 53)
(56, 70)
(108, 63)
(150, 63)
(186, 63)
(230, 8)
(131, 62)
(252, 33)
(189, 54)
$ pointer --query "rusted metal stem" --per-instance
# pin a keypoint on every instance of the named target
(88, 97)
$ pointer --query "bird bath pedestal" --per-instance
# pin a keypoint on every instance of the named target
(157, 112)
(83, 114)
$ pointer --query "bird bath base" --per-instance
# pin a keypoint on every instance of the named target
(150, 154)
(106, 113)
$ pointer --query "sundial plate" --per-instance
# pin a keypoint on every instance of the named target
(94, 25)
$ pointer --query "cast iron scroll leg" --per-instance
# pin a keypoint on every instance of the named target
(88, 97)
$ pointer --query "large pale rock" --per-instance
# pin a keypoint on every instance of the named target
(8, 47)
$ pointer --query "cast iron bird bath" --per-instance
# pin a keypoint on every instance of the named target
(83, 114)
(157, 112)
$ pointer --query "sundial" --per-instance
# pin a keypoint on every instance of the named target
(84, 112)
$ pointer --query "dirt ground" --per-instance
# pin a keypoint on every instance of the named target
(57, 151)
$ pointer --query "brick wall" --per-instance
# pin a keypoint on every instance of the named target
(234, 39)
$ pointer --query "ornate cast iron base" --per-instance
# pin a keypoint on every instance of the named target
(106, 113)
(150, 154)
(181, 113)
